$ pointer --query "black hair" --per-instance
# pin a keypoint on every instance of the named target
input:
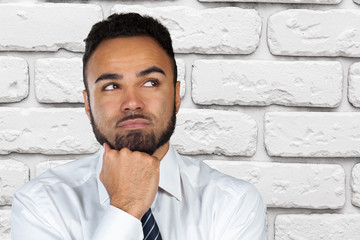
(128, 25)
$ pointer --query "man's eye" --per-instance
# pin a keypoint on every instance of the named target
(110, 87)
(151, 83)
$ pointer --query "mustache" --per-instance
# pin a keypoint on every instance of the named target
(131, 116)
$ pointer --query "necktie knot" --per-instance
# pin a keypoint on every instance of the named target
(150, 228)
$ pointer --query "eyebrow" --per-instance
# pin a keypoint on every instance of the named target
(150, 70)
(114, 76)
(109, 76)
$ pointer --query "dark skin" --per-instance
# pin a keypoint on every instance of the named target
(125, 75)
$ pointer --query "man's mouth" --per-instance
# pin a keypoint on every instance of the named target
(134, 123)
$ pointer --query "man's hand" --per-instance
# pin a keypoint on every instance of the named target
(131, 179)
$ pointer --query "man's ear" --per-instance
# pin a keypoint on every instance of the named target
(87, 104)
(177, 96)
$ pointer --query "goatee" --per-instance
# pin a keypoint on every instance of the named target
(137, 140)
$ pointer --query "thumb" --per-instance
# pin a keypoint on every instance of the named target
(106, 151)
(106, 147)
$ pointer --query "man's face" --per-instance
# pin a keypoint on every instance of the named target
(131, 98)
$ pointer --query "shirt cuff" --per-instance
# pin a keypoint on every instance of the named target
(118, 224)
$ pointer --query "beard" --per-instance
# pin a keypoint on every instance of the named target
(137, 140)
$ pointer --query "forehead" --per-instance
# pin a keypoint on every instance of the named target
(128, 52)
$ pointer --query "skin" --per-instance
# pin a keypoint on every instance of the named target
(124, 78)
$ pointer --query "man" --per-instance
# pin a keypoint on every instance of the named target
(139, 187)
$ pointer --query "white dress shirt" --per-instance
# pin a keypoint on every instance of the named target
(193, 202)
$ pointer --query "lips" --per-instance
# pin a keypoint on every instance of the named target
(134, 123)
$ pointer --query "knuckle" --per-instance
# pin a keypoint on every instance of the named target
(137, 154)
(124, 152)
(154, 162)
(140, 156)
(111, 153)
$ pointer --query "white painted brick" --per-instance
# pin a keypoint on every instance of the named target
(354, 84)
(280, 1)
(5, 224)
(355, 185)
(48, 131)
(46, 27)
(204, 131)
(297, 83)
(13, 175)
(181, 71)
(14, 78)
(300, 32)
(291, 185)
(315, 134)
(317, 226)
(59, 80)
(43, 166)
(227, 30)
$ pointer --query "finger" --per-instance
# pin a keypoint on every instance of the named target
(156, 157)
(106, 151)
(106, 147)
(101, 176)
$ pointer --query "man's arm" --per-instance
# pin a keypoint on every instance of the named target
(246, 220)
(131, 179)
(31, 221)
(28, 221)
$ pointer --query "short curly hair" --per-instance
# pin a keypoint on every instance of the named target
(128, 25)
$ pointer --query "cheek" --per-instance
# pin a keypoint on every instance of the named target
(161, 105)
(166, 108)
(102, 110)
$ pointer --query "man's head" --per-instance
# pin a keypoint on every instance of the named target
(128, 25)
(132, 94)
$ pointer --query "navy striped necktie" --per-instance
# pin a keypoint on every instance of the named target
(150, 228)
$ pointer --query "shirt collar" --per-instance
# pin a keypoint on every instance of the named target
(103, 195)
(169, 175)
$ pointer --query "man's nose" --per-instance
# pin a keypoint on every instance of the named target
(132, 101)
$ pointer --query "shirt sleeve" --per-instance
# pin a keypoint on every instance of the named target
(33, 220)
(117, 224)
(246, 219)
(27, 222)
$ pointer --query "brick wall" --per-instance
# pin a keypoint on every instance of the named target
(270, 94)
